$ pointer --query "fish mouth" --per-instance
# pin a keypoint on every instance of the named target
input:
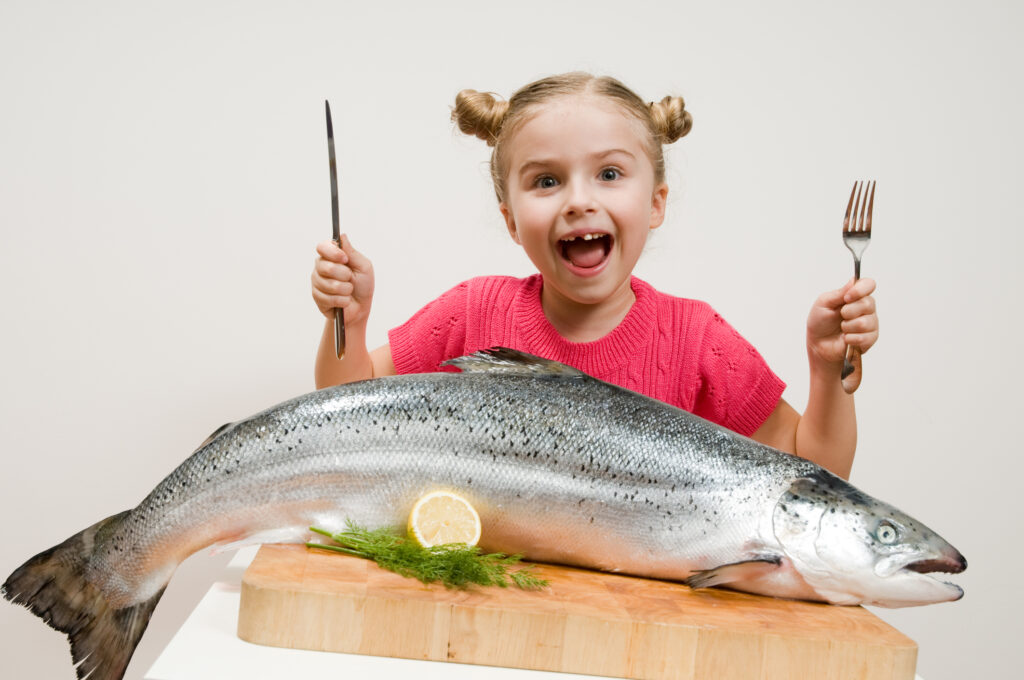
(585, 252)
(947, 564)
(944, 564)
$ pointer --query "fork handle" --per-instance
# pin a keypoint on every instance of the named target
(851, 374)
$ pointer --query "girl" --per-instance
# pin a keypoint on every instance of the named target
(579, 173)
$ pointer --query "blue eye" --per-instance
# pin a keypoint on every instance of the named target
(545, 182)
(610, 174)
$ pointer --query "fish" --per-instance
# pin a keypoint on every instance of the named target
(561, 467)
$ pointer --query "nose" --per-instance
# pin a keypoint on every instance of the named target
(579, 200)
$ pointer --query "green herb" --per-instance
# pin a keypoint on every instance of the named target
(456, 565)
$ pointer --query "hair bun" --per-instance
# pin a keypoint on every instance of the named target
(479, 114)
(671, 119)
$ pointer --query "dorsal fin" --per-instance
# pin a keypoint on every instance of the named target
(213, 435)
(505, 360)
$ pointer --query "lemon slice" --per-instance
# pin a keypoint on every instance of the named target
(443, 517)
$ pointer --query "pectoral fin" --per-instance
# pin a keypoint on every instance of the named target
(748, 570)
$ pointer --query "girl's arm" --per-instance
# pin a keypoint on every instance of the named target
(343, 278)
(357, 364)
(826, 433)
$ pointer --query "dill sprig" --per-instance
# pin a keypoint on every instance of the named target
(456, 565)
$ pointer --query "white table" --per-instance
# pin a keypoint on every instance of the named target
(207, 647)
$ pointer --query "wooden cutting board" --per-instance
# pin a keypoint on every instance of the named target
(585, 622)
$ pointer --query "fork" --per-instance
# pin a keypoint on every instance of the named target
(856, 236)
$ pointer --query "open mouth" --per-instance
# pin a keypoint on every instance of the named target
(946, 565)
(941, 565)
(585, 251)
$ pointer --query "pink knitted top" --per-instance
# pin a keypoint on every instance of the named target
(673, 349)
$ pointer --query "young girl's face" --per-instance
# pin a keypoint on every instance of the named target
(581, 196)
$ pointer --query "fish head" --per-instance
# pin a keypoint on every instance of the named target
(853, 549)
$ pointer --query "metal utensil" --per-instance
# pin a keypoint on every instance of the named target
(856, 236)
(339, 314)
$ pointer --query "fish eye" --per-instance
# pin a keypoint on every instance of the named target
(886, 532)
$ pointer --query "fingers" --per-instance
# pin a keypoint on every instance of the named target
(855, 290)
(343, 255)
(860, 318)
(330, 285)
(330, 293)
(860, 308)
(342, 278)
(851, 291)
(834, 299)
(339, 263)
(328, 269)
(845, 316)
(861, 324)
(330, 251)
(331, 278)
(862, 341)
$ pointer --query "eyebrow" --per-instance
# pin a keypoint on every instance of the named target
(545, 162)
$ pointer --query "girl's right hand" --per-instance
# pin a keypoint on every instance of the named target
(342, 278)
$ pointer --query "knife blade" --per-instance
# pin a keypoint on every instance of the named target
(339, 314)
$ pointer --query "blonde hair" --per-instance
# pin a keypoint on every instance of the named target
(496, 121)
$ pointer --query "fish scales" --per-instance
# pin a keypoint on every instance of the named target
(612, 477)
(561, 467)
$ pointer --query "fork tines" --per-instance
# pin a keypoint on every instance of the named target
(857, 210)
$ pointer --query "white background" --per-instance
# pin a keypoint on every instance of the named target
(163, 181)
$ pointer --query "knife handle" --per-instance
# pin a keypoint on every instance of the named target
(339, 331)
(339, 323)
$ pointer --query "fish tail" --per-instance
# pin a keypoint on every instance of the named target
(54, 586)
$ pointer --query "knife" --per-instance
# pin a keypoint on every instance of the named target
(339, 314)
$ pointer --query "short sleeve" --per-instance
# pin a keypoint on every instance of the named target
(738, 389)
(436, 333)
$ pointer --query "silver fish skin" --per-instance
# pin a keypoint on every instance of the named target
(561, 467)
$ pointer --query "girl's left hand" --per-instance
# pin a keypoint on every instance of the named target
(842, 317)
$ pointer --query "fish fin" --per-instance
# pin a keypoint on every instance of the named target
(505, 360)
(54, 586)
(214, 435)
(746, 570)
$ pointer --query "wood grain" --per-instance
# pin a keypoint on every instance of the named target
(585, 622)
